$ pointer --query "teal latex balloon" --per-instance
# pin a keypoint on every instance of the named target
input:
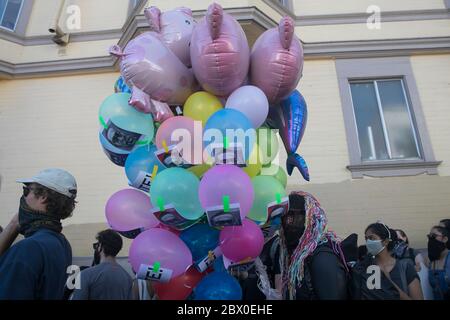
(267, 189)
(178, 187)
(116, 108)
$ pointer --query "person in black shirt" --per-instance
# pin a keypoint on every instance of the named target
(311, 264)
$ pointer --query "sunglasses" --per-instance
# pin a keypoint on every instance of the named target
(433, 236)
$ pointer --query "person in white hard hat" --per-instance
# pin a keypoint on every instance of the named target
(35, 267)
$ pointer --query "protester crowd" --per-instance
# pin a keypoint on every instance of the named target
(302, 259)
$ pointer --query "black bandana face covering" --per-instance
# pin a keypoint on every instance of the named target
(30, 220)
(435, 248)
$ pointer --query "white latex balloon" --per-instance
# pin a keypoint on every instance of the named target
(252, 102)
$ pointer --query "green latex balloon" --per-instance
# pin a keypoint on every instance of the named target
(178, 187)
(267, 140)
(265, 189)
(275, 171)
(116, 108)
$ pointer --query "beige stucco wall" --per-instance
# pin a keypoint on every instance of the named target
(95, 15)
(323, 7)
(47, 122)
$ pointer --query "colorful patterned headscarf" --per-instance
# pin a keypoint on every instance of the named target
(316, 233)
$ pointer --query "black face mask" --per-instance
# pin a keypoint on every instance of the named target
(293, 229)
(97, 257)
(30, 220)
(435, 248)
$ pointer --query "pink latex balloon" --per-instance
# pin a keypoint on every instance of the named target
(179, 131)
(175, 27)
(277, 61)
(219, 52)
(147, 64)
(241, 242)
(129, 209)
(158, 245)
(226, 180)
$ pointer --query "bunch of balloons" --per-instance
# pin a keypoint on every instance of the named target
(188, 93)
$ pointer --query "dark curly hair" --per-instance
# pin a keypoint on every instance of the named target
(111, 242)
(384, 232)
(58, 204)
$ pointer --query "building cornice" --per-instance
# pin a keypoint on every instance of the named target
(137, 23)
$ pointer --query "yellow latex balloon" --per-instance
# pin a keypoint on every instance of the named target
(201, 105)
(199, 170)
(254, 164)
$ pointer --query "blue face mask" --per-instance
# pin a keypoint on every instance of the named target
(374, 247)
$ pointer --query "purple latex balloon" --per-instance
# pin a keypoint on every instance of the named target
(226, 180)
(241, 242)
(175, 27)
(219, 52)
(129, 209)
(148, 65)
(290, 117)
(159, 245)
(277, 61)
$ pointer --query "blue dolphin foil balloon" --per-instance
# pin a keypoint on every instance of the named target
(121, 86)
(289, 117)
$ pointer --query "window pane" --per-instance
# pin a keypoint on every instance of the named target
(396, 117)
(368, 122)
(11, 14)
(2, 7)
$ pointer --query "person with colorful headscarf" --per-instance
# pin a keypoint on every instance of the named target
(312, 265)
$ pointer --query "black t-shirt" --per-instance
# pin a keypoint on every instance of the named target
(410, 273)
(325, 276)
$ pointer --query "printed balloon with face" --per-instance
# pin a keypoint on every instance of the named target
(277, 61)
(220, 53)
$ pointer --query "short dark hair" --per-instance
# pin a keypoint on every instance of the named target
(111, 242)
(58, 204)
(1, 229)
(384, 232)
(442, 230)
(403, 234)
(446, 223)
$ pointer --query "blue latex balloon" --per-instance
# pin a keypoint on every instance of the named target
(200, 239)
(290, 118)
(232, 124)
(218, 265)
(218, 286)
(142, 159)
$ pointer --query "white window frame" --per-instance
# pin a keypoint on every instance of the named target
(383, 121)
(350, 70)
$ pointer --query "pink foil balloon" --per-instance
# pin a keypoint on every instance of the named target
(277, 61)
(226, 180)
(129, 209)
(175, 27)
(142, 102)
(219, 52)
(159, 245)
(241, 242)
(149, 65)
